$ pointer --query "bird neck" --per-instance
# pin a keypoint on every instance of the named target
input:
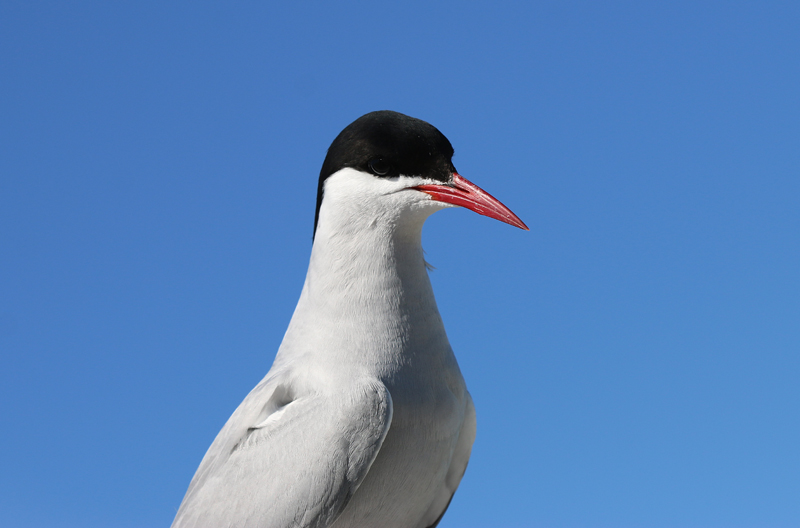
(359, 270)
(367, 298)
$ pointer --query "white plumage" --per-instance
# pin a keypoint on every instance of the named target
(364, 419)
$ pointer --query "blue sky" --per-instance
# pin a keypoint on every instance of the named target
(634, 359)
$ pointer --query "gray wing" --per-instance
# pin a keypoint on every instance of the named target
(285, 461)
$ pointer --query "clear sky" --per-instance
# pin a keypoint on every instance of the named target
(634, 359)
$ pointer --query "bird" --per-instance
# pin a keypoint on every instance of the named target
(364, 419)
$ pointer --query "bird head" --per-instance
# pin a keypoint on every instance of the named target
(385, 163)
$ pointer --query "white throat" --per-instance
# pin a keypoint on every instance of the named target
(367, 284)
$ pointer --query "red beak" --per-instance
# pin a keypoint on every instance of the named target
(466, 194)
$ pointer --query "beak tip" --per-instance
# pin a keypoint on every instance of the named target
(520, 224)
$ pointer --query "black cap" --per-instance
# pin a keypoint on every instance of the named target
(388, 144)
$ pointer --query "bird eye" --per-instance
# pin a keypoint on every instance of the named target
(379, 166)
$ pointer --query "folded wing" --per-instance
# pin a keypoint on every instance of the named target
(283, 461)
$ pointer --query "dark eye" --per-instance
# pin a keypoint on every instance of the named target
(379, 166)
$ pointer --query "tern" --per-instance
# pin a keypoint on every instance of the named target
(364, 419)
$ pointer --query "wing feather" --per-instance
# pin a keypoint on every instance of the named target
(288, 461)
